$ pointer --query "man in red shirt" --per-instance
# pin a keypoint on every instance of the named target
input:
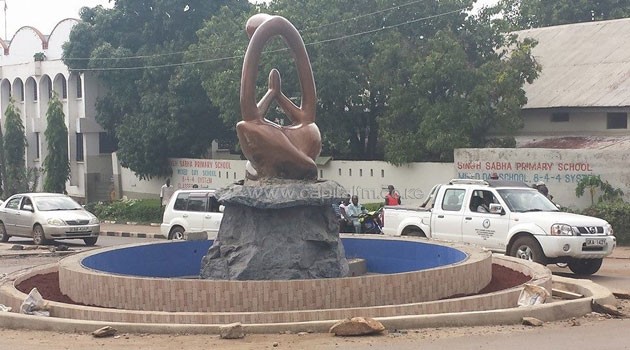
(392, 197)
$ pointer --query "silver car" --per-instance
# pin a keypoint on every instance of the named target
(46, 217)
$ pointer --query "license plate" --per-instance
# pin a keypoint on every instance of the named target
(595, 242)
(79, 229)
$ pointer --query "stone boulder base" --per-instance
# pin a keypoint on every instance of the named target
(278, 231)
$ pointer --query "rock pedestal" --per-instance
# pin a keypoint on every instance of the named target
(276, 231)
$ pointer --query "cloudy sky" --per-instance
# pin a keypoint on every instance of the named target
(45, 14)
(41, 14)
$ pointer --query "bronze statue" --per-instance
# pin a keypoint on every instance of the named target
(275, 151)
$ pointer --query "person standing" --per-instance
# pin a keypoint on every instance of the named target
(392, 197)
(344, 218)
(542, 188)
(166, 192)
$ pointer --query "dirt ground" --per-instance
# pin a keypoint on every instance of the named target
(393, 339)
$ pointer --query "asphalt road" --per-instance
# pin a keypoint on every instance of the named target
(16, 261)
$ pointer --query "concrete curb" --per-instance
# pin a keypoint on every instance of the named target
(557, 310)
(132, 234)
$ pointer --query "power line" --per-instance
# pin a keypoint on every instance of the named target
(232, 45)
(283, 49)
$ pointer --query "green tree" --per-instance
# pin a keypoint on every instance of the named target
(56, 163)
(458, 83)
(160, 110)
(594, 184)
(15, 180)
(405, 82)
(523, 14)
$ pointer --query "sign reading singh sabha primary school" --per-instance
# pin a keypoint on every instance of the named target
(205, 173)
(560, 169)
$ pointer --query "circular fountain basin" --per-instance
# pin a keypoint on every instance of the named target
(147, 302)
(155, 277)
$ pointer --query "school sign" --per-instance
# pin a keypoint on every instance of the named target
(560, 169)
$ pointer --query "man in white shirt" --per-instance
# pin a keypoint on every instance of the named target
(353, 210)
(166, 192)
(344, 219)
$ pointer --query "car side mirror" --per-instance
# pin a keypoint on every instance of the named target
(495, 208)
(27, 207)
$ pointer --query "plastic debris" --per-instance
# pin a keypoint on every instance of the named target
(533, 295)
(34, 304)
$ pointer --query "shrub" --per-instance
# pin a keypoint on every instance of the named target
(146, 210)
(137, 210)
(617, 214)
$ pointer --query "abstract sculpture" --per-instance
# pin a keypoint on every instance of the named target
(281, 226)
(275, 151)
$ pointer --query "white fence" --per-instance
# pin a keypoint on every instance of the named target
(559, 169)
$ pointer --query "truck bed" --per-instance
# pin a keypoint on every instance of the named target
(407, 207)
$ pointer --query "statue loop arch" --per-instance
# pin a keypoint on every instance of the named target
(275, 151)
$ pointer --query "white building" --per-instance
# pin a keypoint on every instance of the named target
(580, 100)
(30, 83)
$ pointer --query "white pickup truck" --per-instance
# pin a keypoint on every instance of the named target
(509, 218)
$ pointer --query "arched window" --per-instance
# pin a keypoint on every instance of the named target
(61, 86)
(50, 88)
(5, 92)
(18, 90)
(79, 87)
(64, 88)
(31, 87)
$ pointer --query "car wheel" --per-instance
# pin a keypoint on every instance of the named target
(528, 248)
(176, 233)
(90, 241)
(414, 233)
(38, 236)
(4, 236)
(585, 266)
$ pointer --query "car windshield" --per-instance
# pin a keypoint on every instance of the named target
(55, 203)
(526, 200)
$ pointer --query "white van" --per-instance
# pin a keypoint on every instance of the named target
(191, 210)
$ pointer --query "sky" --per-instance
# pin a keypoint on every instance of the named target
(41, 14)
(45, 14)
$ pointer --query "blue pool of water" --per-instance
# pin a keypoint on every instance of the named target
(180, 259)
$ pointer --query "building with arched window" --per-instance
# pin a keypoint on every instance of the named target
(31, 69)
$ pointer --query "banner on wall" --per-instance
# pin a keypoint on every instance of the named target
(559, 169)
(206, 173)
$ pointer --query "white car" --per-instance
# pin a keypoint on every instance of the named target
(192, 210)
(45, 217)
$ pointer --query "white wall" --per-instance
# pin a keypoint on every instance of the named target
(368, 180)
(560, 169)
